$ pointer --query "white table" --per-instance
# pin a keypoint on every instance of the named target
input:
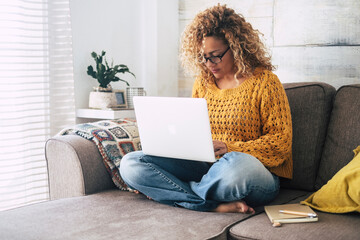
(87, 114)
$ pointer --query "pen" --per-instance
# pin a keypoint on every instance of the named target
(305, 214)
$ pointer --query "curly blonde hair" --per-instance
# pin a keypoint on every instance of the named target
(223, 23)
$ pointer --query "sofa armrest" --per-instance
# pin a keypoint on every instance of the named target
(75, 167)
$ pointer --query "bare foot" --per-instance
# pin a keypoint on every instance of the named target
(234, 207)
(137, 192)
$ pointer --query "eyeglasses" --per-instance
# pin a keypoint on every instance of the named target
(214, 59)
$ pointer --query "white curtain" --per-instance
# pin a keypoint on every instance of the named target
(36, 93)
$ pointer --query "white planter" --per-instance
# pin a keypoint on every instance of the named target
(103, 100)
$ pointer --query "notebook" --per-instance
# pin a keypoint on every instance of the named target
(275, 213)
(174, 127)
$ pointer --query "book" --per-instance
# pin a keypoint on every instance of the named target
(290, 213)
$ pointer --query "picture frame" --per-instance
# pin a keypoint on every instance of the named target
(120, 98)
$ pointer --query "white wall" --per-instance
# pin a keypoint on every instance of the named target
(160, 46)
(309, 40)
(142, 34)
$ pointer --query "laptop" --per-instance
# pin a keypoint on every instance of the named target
(174, 127)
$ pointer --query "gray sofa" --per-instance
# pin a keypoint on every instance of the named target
(86, 205)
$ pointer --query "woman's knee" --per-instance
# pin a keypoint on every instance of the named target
(242, 170)
(242, 164)
(240, 174)
(130, 166)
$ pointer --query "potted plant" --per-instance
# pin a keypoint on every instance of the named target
(106, 74)
(104, 96)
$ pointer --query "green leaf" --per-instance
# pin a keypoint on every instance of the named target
(112, 75)
(90, 68)
(91, 72)
(127, 84)
(107, 73)
(116, 67)
(132, 74)
(115, 79)
(107, 65)
(99, 59)
(123, 70)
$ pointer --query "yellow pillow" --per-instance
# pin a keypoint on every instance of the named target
(341, 194)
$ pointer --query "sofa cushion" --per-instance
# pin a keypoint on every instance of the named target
(342, 193)
(342, 135)
(285, 196)
(310, 105)
(330, 226)
(111, 214)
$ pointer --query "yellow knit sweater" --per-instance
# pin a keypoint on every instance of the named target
(253, 118)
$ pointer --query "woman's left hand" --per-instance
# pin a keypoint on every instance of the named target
(220, 148)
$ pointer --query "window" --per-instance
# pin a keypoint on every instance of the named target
(36, 93)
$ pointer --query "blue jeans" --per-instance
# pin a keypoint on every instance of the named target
(198, 185)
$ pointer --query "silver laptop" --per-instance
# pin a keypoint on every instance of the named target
(174, 127)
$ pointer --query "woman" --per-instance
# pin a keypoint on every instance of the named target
(249, 117)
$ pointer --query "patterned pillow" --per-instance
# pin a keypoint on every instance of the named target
(114, 139)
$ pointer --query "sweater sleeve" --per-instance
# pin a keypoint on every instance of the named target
(273, 147)
(198, 89)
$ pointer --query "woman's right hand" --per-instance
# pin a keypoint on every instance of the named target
(220, 148)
